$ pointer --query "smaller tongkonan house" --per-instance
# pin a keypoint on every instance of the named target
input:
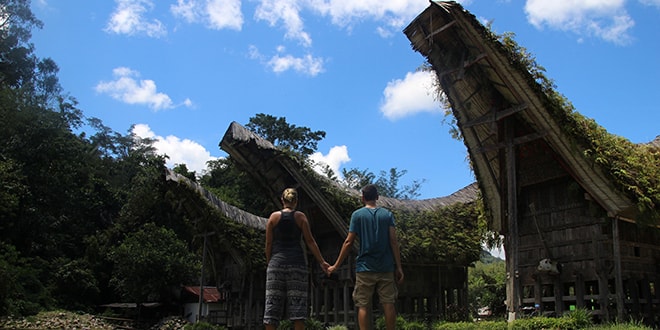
(433, 288)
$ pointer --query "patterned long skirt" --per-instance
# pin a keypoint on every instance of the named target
(286, 291)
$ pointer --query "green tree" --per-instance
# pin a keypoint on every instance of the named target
(355, 178)
(149, 262)
(487, 285)
(183, 170)
(448, 235)
(234, 186)
(388, 183)
(283, 134)
(21, 290)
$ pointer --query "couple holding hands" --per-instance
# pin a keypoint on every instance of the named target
(378, 264)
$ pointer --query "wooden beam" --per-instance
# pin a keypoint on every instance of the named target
(443, 28)
(494, 115)
(517, 141)
(465, 64)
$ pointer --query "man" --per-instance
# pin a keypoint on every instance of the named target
(378, 260)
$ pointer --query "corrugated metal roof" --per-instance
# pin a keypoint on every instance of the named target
(210, 293)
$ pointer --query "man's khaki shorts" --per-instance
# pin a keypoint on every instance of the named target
(368, 282)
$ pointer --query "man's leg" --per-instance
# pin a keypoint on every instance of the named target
(363, 318)
(390, 316)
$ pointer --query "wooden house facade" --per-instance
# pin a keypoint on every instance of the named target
(573, 235)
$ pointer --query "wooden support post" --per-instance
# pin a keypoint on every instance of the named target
(335, 304)
(538, 293)
(346, 303)
(558, 293)
(618, 274)
(512, 255)
(634, 295)
(647, 306)
(579, 291)
(326, 304)
(603, 295)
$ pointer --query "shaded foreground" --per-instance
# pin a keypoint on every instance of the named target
(72, 320)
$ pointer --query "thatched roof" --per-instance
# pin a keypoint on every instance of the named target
(277, 169)
(227, 210)
(327, 204)
(485, 84)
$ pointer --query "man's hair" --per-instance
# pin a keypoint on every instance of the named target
(370, 192)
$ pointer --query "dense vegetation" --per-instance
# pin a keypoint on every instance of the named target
(86, 216)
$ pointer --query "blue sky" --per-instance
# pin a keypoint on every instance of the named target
(182, 71)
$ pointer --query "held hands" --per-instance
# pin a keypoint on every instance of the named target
(325, 266)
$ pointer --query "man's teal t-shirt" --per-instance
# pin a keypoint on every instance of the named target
(372, 227)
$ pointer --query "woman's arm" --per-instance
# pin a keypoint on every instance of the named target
(272, 220)
(303, 223)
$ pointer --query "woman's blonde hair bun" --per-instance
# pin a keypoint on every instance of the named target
(290, 195)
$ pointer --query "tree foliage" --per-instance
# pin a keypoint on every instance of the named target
(68, 199)
(149, 262)
(450, 235)
(487, 285)
(388, 182)
(285, 135)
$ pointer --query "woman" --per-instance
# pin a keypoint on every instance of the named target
(287, 275)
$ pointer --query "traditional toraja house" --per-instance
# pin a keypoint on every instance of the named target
(579, 207)
(234, 256)
(430, 289)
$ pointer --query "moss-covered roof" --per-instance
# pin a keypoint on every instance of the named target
(488, 79)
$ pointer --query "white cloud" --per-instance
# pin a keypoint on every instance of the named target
(337, 156)
(179, 151)
(413, 94)
(606, 19)
(393, 12)
(280, 62)
(128, 89)
(307, 64)
(128, 18)
(288, 12)
(651, 2)
(216, 14)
